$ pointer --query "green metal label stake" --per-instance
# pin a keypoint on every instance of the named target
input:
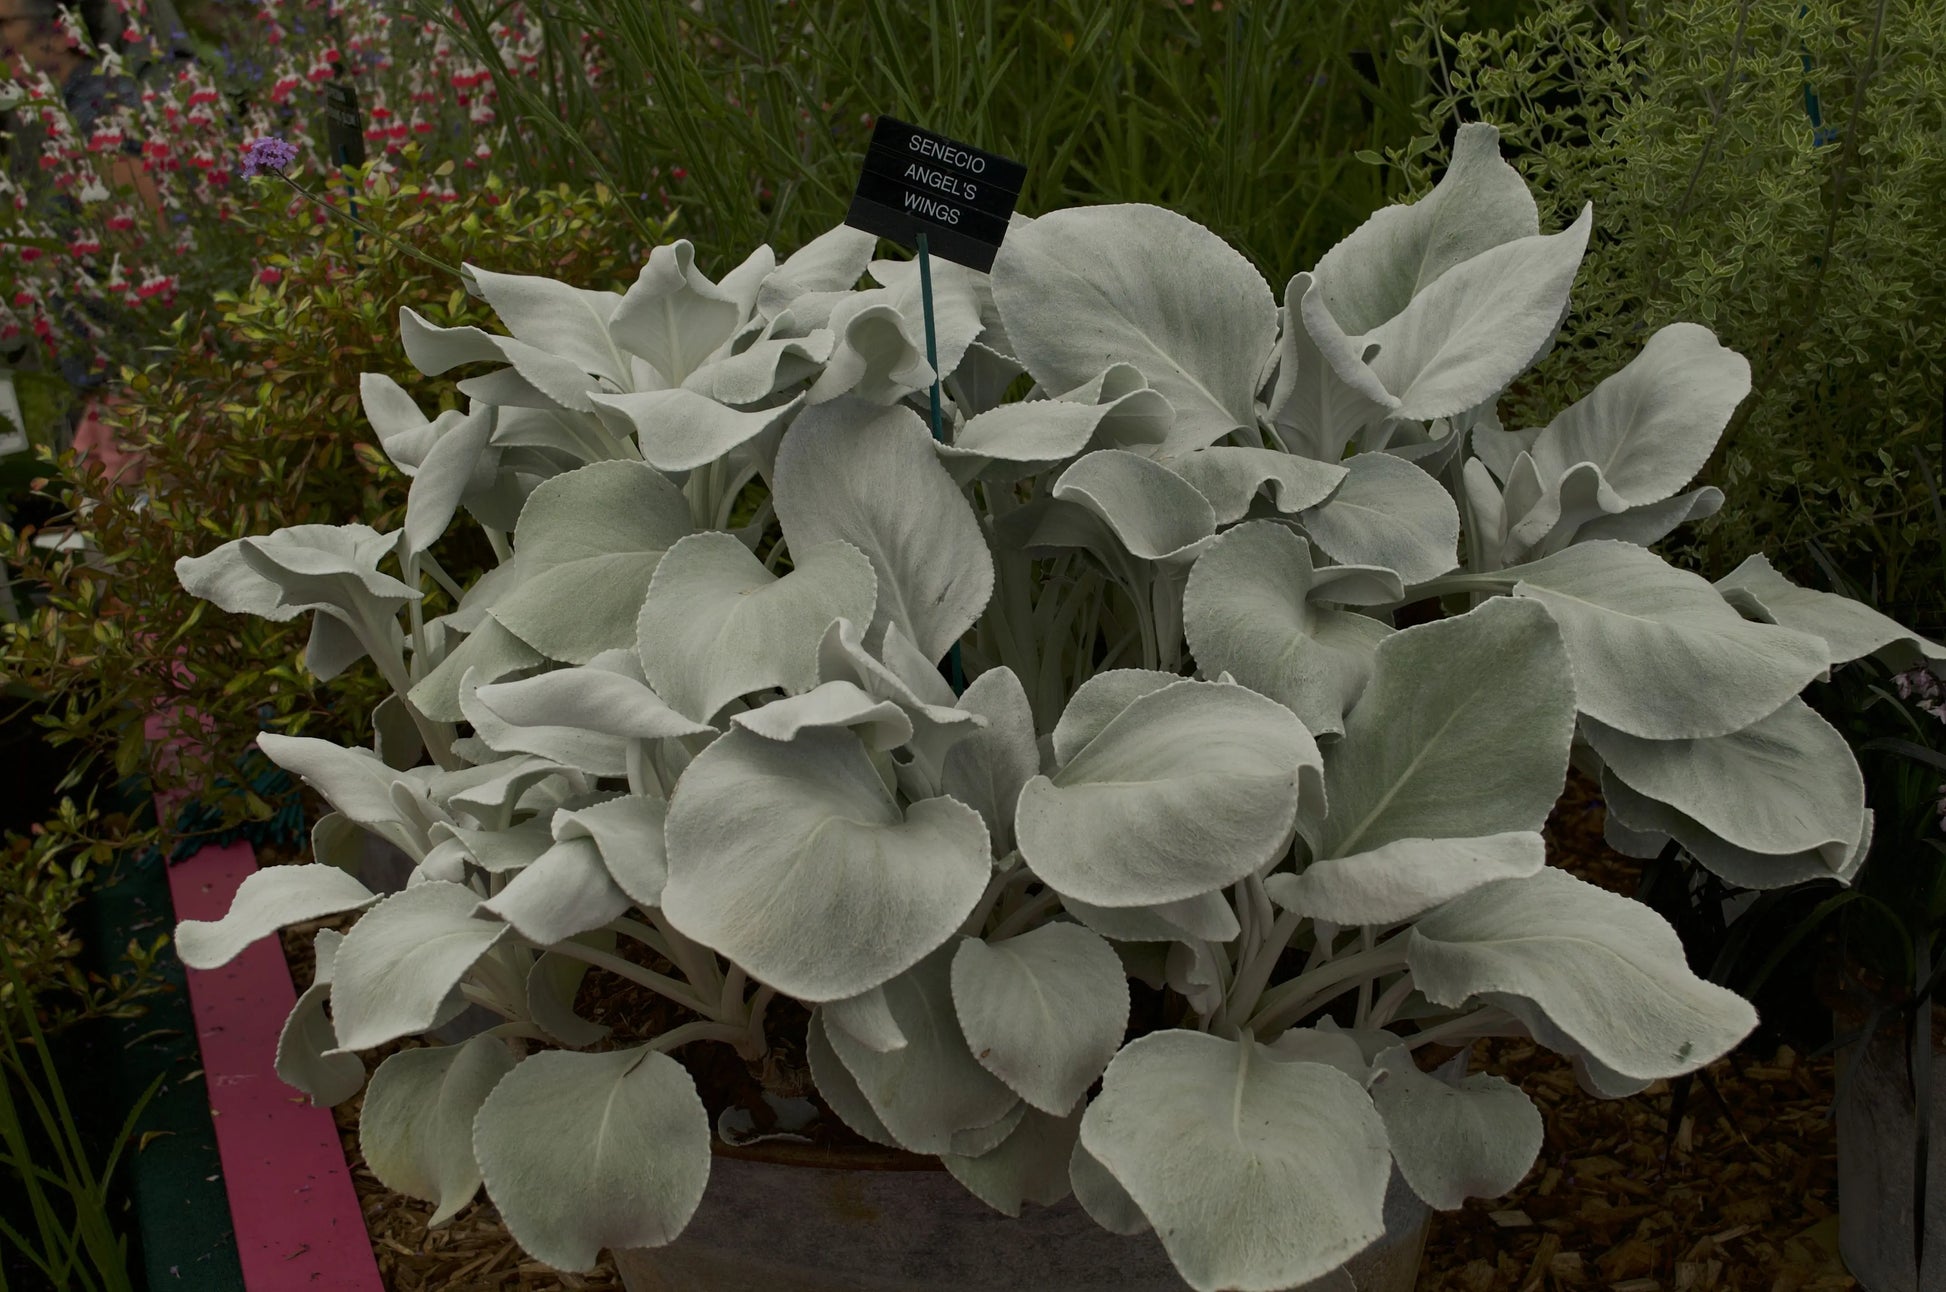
(916, 187)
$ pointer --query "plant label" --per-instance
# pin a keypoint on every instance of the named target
(344, 125)
(915, 181)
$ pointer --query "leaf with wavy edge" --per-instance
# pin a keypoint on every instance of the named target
(1474, 1140)
(1044, 1011)
(415, 1129)
(397, 966)
(265, 902)
(1405, 878)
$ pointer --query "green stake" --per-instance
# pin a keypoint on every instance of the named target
(938, 432)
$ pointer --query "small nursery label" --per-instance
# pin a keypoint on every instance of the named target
(959, 195)
(344, 125)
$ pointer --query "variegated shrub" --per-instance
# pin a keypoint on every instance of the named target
(1196, 752)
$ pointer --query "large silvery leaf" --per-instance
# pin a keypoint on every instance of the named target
(1638, 825)
(1031, 1164)
(1651, 426)
(1480, 203)
(1388, 513)
(1246, 613)
(1097, 701)
(458, 464)
(586, 1151)
(1479, 325)
(1850, 630)
(868, 476)
(1657, 652)
(1187, 789)
(596, 699)
(679, 430)
(587, 545)
(565, 891)
(1256, 1173)
(416, 1127)
(536, 377)
(1153, 513)
(1044, 1011)
(929, 1090)
(1785, 784)
(1411, 763)
(838, 1087)
(1474, 1140)
(1325, 392)
(491, 649)
(718, 625)
(1405, 878)
(1608, 974)
(1101, 1195)
(827, 889)
(265, 902)
(986, 770)
(280, 575)
(1233, 478)
(834, 706)
(354, 781)
(571, 322)
(306, 1047)
(399, 963)
(593, 752)
(672, 315)
(628, 831)
(1086, 287)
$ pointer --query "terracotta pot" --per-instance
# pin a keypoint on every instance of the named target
(1875, 1158)
(790, 1218)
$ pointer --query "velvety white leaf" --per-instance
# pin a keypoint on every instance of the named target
(1474, 1140)
(629, 833)
(1357, 585)
(717, 624)
(1035, 430)
(593, 752)
(566, 891)
(1246, 612)
(987, 770)
(1642, 826)
(551, 987)
(1480, 203)
(833, 261)
(955, 304)
(834, 705)
(838, 1087)
(281, 575)
(1154, 513)
(1608, 973)
(1081, 288)
(1208, 917)
(1096, 703)
(754, 374)
(587, 544)
(1031, 1164)
(591, 698)
(453, 467)
(931, 1087)
(415, 1129)
(679, 430)
(867, 1019)
(1388, 513)
(266, 901)
(399, 963)
(1325, 392)
(1233, 478)
(672, 315)
(1479, 325)
(1410, 764)
(919, 691)
(879, 357)
(333, 647)
(1044, 1011)
(1787, 783)
(1405, 878)
(571, 322)
(1849, 629)
(490, 650)
(869, 477)
(1101, 1195)
(586, 1151)
(1579, 497)
(1256, 1174)
(1651, 523)
(1656, 650)
(404, 432)
(828, 891)
(1186, 790)
(1651, 426)
(304, 1061)
(1191, 971)
(555, 378)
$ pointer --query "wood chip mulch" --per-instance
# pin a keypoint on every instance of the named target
(1744, 1198)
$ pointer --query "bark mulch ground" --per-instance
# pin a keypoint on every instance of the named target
(1744, 1198)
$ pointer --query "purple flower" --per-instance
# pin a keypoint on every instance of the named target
(268, 155)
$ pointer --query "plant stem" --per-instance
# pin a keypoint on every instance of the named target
(1023, 916)
(1485, 1021)
(677, 1037)
(1288, 1002)
(680, 993)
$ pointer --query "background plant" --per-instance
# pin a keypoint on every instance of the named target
(1769, 169)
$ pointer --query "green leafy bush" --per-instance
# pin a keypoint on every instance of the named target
(1771, 170)
(233, 448)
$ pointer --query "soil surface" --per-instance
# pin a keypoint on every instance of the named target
(1745, 1197)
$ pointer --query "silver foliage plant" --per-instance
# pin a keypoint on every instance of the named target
(1196, 752)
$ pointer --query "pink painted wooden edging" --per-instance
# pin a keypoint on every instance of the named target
(298, 1225)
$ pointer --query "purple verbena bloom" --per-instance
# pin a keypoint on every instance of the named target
(267, 156)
